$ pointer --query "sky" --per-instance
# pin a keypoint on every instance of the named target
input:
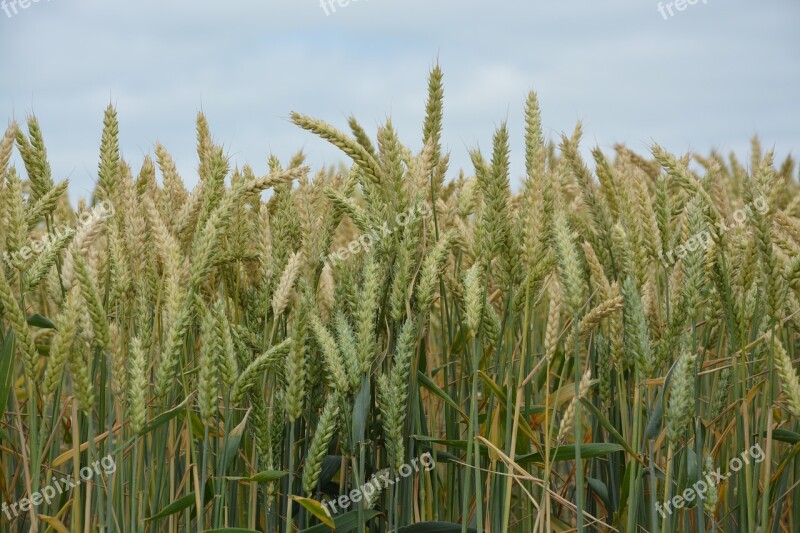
(709, 76)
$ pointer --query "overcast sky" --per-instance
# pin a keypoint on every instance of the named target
(712, 75)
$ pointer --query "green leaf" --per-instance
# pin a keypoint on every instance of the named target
(269, 475)
(459, 342)
(434, 527)
(532, 410)
(691, 464)
(54, 523)
(784, 435)
(567, 452)
(6, 371)
(344, 524)
(501, 396)
(626, 483)
(361, 411)
(654, 424)
(330, 467)
(653, 428)
(38, 321)
(787, 460)
(232, 530)
(440, 456)
(182, 504)
(609, 427)
(600, 488)
(460, 444)
(163, 418)
(316, 509)
(428, 383)
(232, 444)
(263, 477)
(196, 425)
(176, 507)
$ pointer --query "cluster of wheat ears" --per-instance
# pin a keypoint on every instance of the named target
(536, 344)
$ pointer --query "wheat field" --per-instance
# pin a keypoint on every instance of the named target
(396, 345)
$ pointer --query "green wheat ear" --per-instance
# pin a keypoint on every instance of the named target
(109, 168)
(81, 376)
(16, 318)
(7, 146)
(360, 155)
(788, 378)
(61, 346)
(366, 314)
(432, 267)
(208, 374)
(568, 420)
(637, 338)
(393, 394)
(326, 427)
(473, 297)
(681, 399)
(137, 386)
(570, 270)
(296, 368)
(333, 358)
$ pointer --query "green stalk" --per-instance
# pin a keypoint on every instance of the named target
(633, 495)
(511, 449)
(134, 488)
(477, 466)
(666, 521)
(698, 435)
(290, 479)
(90, 452)
(770, 399)
(578, 424)
(204, 476)
(653, 492)
(221, 474)
(473, 430)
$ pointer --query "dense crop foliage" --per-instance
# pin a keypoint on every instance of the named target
(581, 351)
